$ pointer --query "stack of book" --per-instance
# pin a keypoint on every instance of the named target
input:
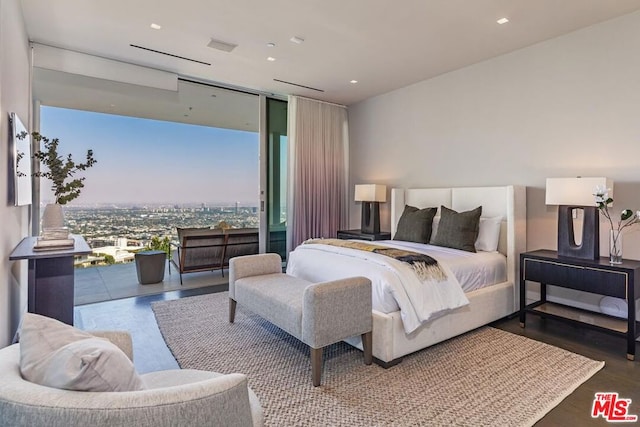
(54, 239)
(56, 233)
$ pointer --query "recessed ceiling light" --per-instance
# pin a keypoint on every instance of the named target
(296, 40)
(271, 58)
(353, 81)
(155, 26)
(502, 21)
(271, 45)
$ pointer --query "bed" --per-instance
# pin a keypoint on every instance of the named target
(395, 333)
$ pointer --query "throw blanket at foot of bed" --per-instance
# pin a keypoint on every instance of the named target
(396, 286)
(426, 268)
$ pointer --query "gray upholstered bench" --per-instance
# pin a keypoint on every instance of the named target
(318, 314)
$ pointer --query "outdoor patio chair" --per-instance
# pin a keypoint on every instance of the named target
(203, 249)
(199, 249)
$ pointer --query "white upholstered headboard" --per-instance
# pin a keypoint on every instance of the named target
(509, 201)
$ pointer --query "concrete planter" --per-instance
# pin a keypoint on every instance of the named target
(150, 266)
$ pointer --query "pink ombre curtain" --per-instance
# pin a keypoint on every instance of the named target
(318, 141)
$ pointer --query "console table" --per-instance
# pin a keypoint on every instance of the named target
(50, 291)
(595, 276)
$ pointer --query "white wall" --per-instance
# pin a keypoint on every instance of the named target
(569, 106)
(14, 221)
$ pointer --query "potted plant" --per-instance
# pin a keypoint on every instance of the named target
(150, 263)
(160, 244)
(627, 218)
(61, 171)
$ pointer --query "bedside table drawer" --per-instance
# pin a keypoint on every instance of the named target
(553, 273)
(357, 234)
(603, 282)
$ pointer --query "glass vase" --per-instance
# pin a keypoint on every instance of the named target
(615, 247)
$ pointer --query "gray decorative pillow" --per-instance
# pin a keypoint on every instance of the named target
(57, 355)
(458, 230)
(415, 224)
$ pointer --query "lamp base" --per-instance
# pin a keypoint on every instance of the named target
(370, 221)
(589, 248)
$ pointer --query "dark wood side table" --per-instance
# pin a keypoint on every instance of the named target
(357, 234)
(50, 291)
(598, 277)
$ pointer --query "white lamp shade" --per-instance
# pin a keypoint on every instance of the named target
(371, 193)
(575, 191)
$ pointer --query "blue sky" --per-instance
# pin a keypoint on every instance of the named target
(151, 161)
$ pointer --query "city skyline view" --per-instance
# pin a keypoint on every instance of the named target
(116, 234)
(144, 161)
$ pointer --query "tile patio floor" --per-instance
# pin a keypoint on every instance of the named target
(105, 283)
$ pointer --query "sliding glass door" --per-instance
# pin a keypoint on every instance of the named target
(200, 154)
(276, 182)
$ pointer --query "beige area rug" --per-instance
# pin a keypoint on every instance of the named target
(487, 377)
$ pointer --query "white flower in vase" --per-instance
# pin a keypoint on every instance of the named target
(627, 218)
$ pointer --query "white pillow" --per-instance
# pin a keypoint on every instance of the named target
(57, 355)
(614, 307)
(488, 234)
(434, 227)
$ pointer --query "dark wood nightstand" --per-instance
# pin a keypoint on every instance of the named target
(357, 234)
(598, 277)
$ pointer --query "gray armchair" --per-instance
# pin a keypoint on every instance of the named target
(171, 398)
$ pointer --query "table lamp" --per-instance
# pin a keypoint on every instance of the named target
(370, 195)
(577, 193)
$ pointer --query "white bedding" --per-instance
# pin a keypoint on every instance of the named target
(473, 270)
(394, 285)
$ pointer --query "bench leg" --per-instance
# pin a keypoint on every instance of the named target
(367, 347)
(232, 310)
(316, 365)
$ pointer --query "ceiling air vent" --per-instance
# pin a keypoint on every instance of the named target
(298, 85)
(169, 54)
(220, 45)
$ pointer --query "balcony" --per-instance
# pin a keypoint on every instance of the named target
(105, 283)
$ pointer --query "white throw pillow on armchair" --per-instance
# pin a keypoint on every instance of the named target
(57, 355)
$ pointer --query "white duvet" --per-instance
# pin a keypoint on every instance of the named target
(394, 284)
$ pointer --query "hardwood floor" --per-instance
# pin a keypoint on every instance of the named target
(619, 374)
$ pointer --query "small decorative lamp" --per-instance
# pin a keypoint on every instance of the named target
(577, 193)
(371, 195)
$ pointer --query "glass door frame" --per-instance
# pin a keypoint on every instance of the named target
(264, 213)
